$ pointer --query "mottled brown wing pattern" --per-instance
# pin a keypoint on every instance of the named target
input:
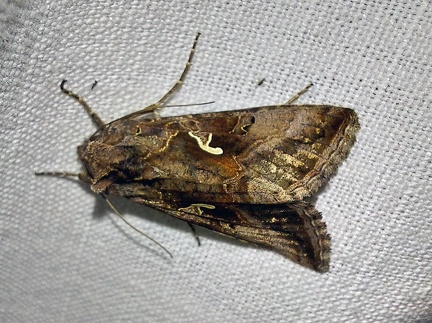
(292, 229)
(269, 155)
(242, 173)
(295, 230)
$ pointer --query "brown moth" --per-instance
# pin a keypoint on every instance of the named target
(242, 173)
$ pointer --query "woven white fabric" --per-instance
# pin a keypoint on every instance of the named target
(65, 257)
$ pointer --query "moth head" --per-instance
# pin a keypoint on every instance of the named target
(103, 156)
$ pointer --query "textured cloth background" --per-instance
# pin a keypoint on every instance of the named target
(65, 257)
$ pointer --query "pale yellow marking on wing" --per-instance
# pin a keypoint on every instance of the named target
(196, 208)
(205, 145)
(288, 177)
(288, 159)
(308, 154)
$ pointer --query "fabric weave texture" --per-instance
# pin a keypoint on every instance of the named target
(65, 257)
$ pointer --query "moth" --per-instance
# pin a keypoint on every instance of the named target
(243, 173)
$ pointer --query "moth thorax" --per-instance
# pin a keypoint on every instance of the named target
(101, 159)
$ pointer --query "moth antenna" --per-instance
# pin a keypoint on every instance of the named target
(154, 107)
(98, 121)
(176, 86)
(57, 174)
(298, 94)
(188, 105)
(67, 174)
(136, 229)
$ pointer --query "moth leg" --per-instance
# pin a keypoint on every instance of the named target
(99, 123)
(195, 233)
(298, 94)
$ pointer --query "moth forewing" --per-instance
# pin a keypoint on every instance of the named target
(242, 173)
(266, 155)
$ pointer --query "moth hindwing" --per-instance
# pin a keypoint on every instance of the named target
(242, 173)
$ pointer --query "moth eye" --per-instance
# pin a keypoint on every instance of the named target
(137, 130)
